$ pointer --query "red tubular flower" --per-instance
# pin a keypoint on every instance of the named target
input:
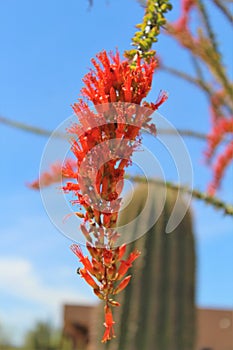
(70, 186)
(122, 285)
(83, 272)
(182, 23)
(120, 251)
(219, 168)
(84, 260)
(126, 264)
(163, 96)
(109, 332)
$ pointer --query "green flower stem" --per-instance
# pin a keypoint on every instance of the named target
(208, 25)
(29, 128)
(187, 77)
(184, 133)
(149, 29)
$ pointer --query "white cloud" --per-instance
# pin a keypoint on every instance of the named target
(39, 300)
(17, 277)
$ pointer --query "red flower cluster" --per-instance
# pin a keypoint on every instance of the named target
(103, 143)
(221, 129)
(114, 81)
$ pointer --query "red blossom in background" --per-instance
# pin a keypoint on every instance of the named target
(222, 128)
(219, 168)
(220, 136)
(203, 47)
(56, 172)
(182, 23)
(217, 103)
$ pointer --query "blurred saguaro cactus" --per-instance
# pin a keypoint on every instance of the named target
(158, 307)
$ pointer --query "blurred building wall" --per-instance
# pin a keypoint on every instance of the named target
(214, 328)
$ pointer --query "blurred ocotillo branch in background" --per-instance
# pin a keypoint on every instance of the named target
(199, 39)
(47, 133)
(196, 194)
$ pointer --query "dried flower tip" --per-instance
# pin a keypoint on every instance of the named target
(113, 302)
(99, 294)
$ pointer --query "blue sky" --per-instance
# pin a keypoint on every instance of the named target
(45, 49)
